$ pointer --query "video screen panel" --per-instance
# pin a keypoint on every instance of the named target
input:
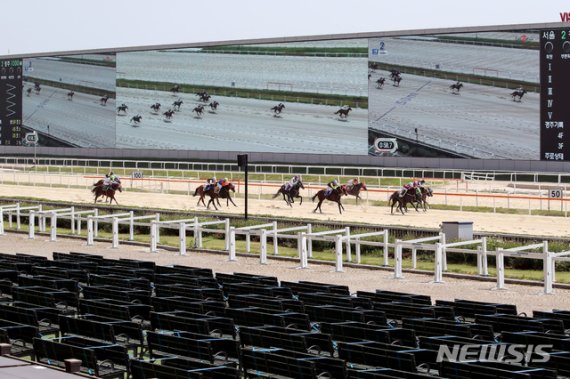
(309, 97)
(472, 95)
(69, 101)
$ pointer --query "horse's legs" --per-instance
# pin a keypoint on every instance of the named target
(340, 207)
(300, 201)
(230, 200)
(318, 207)
(212, 202)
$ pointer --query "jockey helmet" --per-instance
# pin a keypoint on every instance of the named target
(225, 179)
(335, 182)
(422, 181)
(111, 173)
(296, 178)
(106, 175)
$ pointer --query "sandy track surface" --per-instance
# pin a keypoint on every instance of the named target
(527, 298)
(484, 222)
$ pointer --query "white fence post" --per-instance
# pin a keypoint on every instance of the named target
(309, 240)
(72, 220)
(157, 229)
(95, 224)
(263, 249)
(1, 221)
(153, 236)
(196, 228)
(227, 234)
(78, 226)
(232, 249)
(500, 269)
(348, 247)
(547, 268)
(304, 251)
(90, 231)
(443, 241)
(438, 269)
(132, 226)
(398, 260)
(484, 257)
(386, 262)
(338, 250)
(182, 235)
(18, 224)
(53, 227)
(275, 242)
(357, 249)
(115, 233)
(32, 227)
(247, 241)
(414, 257)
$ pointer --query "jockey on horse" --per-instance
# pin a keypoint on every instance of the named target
(292, 183)
(332, 186)
(416, 185)
(351, 183)
(221, 184)
(210, 183)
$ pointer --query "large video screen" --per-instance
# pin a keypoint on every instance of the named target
(474, 95)
(487, 95)
(293, 98)
(69, 101)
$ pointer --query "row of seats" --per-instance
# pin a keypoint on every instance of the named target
(129, 317)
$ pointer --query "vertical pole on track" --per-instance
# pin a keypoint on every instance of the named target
(357, 249)
(157, 228)
(247, 241)
(414, 257)
(196, 228)
(18, 224)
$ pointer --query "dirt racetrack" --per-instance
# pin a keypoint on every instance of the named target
(546, 226)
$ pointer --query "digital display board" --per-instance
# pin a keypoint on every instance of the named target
(11, 102)
(469, 95)
(555, 92)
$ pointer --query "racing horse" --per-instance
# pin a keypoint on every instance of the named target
(176, 105)
(355, 189)
(29, 91)
(175, 89)
(408, 198)
(290, 194)
(278, 108)
(343, 112)
(380, 82)
(37, 88)
(122, 108)
(426, 192)
(155, 107)
(136, 119)
(70, 95)
(99, 191)
(519, 92)
(203, 96)
(199, 110)
(214, 106)
(224, 193)
(103, 100)
(168, 114)
(334, 195)
(456, 87)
